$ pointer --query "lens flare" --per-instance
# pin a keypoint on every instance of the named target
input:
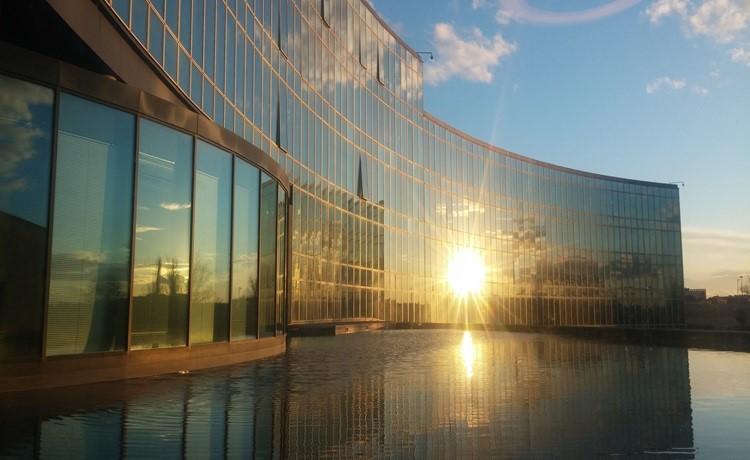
(466, 272)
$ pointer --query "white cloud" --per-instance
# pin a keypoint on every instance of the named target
(145, 229)
(17, 130)
(700, 90)
(663, 8)
(175, 206)
(664, 82)
(720, 20)
(741, 55)
(521, 11)
(473, 58)
(717, 237)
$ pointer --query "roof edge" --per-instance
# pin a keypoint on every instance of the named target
(533, 161)
(396, 36)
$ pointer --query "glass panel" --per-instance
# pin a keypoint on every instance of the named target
(25, 146)
(140, 20)
(209, 301)
(90, 264)
(281, 261)
(122, 7)
(245, 252)
(162, 242)
(267, 278)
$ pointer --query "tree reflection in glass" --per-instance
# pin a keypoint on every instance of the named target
(267, 277)
(162, 246)
(209, 297)
(90, 260)
(245, 251)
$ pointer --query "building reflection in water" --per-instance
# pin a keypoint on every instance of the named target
(394, 394)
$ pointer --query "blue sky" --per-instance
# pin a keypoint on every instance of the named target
(654, 89)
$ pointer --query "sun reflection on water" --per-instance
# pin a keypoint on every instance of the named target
(468, 353)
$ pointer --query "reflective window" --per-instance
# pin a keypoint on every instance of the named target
(155, 36)
(267, 277)
(245, 251)
(140, 20)
(281, 261)
(209, 295)
(122, 7)
(25, 150)
(90, 256)
(162, 241)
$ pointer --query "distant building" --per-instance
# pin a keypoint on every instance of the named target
(730, 299)
(695, 295)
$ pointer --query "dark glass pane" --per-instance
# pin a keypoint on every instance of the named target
(162, 243)
(197, 36)
(90, 265)
(172, 14)
(281, 261)
(159, 5)
(221, 30)
(209, 295)
(245, 251)
(25, 146)
(122, 7)
(210, 52)
(170, 56)
(267, 277)
(140, 20)
(185, 18)
(156, 37)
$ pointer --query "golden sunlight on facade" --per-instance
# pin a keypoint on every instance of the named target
(466, 272)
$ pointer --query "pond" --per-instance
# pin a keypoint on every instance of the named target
(407, 394)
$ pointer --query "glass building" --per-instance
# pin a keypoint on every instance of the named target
(186, 172)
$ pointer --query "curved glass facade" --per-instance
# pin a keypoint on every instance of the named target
(125, 223)
(385, 194)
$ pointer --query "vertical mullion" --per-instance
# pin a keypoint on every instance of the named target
(275, 252)
(192, 244)
(257, 262)
(133, 214)
(231, 247)
(50, 220)
(287, 258)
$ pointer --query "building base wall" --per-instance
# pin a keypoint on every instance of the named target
(83, 369)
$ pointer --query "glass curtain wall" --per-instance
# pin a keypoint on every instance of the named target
(26, 112)
(209, 298)
(245, 251)
(90, 255)
(162, 244)
(386, 194)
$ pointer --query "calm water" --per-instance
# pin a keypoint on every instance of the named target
(424, 394)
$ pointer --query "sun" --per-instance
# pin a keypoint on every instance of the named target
(465, 272)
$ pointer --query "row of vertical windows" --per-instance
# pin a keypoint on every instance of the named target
(410, 188)
(186, 190)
